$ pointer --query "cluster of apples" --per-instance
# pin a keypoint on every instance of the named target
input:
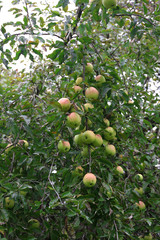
(87, 140)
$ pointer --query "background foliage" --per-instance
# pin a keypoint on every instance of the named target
(123, 45)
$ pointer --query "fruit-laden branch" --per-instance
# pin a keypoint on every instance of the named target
(70, 34)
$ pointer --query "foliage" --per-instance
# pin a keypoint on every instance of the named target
(122, 44)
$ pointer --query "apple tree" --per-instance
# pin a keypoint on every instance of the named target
(80, 123)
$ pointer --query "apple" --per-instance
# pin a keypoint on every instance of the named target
(9, 147)
(139, 177)
(88, 137)
(73, 120)
(78, 139)
(130, 102)
(109, 133)
(34, 223)
(149, 237)
(79, 171)
(85, 151)
(119, 169)
(106, 121)
(110, 149)
(89, 180)
(77, 89)
(105, 143)
(89, 68)
(79, 80)
(23, 143)
(98, 140)
(23, 193)
(87, 106)
(63, 146)
(9, 203)
(109, 3)
(92, 93)
(100, 79)
(65, 104)
(139, 190)
(141, 205)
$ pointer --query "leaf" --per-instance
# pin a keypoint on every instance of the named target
(54, 54)
(37, 52)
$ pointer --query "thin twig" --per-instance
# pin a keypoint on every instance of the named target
(116, 230)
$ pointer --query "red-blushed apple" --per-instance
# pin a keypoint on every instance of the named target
(78, 139)
(89, 68)
(120, 170)
(100, 79)
(77, 89)
(9, 202)
(139, 190)
(65, 104)
(89, 180)
(23, 143)
(92, 93)
(79, 80)
(73, 120)
(87, 106)
(79, 170)
(110, 149)
(88, 137)
(109, 133)
(106, 121)
(109, 3)
(63, 146)
(98, 140)
(141, 205)
(130, 102)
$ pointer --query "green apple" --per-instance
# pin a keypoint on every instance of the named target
(106, 121)
(109, 3)
(88, 137)
(73, 120)
(34, 223)
(85, 151)
(109, 133)
(65, 104)
(105, 143)
(110, 149)
(77, 89)
(89, 180)
(63, 146)
(100, 79)
(139, 190)
(9, 203)
(23, 143)
(98, 140)
(141, 205)
(23, 193)
(87, 106)
(120, 170)
(79, 171)
(139, 177)
(89, 68)
(9, 148)
(149, 237)
(79, 80)
(92, 93)
(78, 139)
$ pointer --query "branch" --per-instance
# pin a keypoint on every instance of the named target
(137, 15)
(69, 35)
